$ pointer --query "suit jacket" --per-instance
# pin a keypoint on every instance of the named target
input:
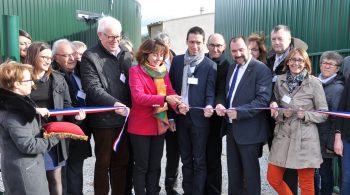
(254, 90)
(143, 97)
(199, 95)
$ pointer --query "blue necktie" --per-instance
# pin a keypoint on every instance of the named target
(232, 86)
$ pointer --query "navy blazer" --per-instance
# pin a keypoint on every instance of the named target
(199, 95)
(253, 91)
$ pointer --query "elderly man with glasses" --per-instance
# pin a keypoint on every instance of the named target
(104, 73)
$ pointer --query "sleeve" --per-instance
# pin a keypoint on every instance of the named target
(343, 106)
(211, 81)
(92, 83)
(320, 103)
(221, 83)
(336, 95)
(262, 98)
(21, 134)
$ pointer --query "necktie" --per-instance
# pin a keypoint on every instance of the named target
(80, 102)
(232, 86)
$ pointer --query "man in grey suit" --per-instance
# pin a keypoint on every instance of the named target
(248, 86)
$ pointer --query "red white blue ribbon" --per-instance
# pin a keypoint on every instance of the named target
(90, 110)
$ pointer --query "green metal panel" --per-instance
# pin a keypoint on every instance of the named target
(322, 24)
(49, 20)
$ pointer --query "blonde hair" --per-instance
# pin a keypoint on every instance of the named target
(11, 71)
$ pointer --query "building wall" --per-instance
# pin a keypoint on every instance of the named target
(49, 20)
(322, 24)
(177, 29)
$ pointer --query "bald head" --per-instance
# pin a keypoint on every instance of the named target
(216, 45)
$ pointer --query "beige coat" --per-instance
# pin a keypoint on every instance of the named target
(296, 144)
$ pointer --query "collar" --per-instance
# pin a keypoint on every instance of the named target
(244, 66)
(326, 80)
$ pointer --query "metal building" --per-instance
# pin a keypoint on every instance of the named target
(322, 24)
(49, 20)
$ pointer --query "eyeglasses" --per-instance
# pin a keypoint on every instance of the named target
(219, 46)
(26, 81)
(328, 64)
(112, 37)
(294, 60)
(66, 55)
(46, 58)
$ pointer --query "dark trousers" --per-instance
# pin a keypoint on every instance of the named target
(214, 150)
(74, 176)
(148, 152)
(242, 162)
(129, 182)
(192, 144)
(172, 160)
(110, 166)
(324, 178)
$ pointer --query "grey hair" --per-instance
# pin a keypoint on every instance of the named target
(57, 43)
(108, 21)
(332, 55)
(281, 27)
(79, 44)
(163, 37)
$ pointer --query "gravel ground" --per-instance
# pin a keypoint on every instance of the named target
(89, 173)
(265, 187)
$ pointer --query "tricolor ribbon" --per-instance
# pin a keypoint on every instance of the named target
(90, 110)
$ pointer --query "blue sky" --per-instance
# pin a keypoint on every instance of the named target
(159, 10)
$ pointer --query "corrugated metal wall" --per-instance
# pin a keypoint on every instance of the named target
(323, 24)
(49, 20)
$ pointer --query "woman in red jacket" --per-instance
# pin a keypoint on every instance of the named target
(151, 94)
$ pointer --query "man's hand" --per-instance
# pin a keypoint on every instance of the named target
(274, 112)
(208, 111)
(43, 112)
(173, 99)
(81, 115)
(220, 110)
(232, 114)
(338, 144)
(122, 111)
(183, 108)
(172, 126)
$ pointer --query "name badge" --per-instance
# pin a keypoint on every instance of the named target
(81, 94)
(192, 81)
(274, 79)
(122, 77)
(286, 99)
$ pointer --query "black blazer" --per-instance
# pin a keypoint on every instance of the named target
(254, 90)
(199, 95)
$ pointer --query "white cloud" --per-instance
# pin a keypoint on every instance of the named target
(159, 10)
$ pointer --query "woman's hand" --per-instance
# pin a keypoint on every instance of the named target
(274, 111)
(173, 99)
(338, 144)
(43, 112)
(172, 126)
(287, 112)
(183, 108)
(301, 113)
(81, 115)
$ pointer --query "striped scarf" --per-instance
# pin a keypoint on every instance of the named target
(158, 73)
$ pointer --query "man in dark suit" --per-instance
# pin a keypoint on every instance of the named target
(193, 76)
(248, 86)
(216, 47)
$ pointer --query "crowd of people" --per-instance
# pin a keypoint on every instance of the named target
(189, 102)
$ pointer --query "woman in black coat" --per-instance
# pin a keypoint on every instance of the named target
(23, 169)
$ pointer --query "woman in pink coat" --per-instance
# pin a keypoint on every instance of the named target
(151, 95)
